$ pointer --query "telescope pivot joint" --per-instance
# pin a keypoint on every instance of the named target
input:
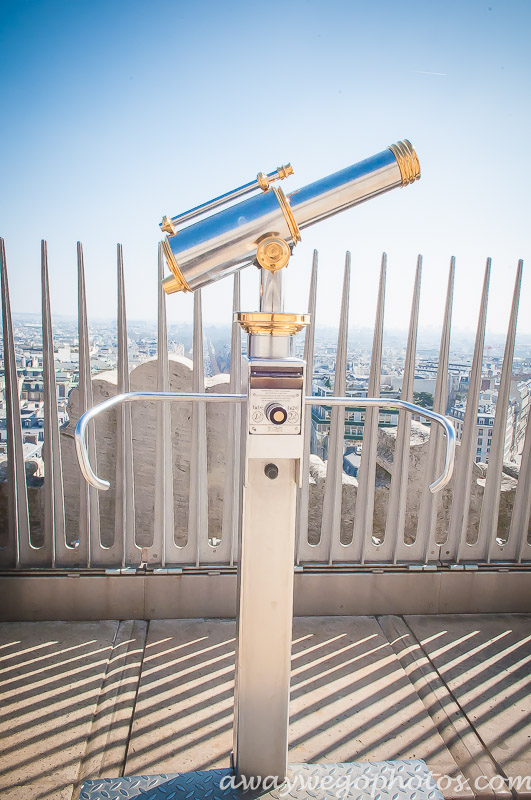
(273, 253)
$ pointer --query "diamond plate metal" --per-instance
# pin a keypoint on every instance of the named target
(370, 780)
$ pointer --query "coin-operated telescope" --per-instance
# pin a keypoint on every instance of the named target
(264, 228)
(204, 245)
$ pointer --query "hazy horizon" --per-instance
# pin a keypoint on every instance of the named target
(522, 339)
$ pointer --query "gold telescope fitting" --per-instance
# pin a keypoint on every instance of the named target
(176, 281)
(264, 181)
(407, 160)
(288, 214)
(273, 253)
(285, 171)
(271, 323)
(167, 226)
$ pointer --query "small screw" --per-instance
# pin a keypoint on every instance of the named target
(271, 470)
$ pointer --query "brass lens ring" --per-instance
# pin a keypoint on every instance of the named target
(407, 160)
(175, 282)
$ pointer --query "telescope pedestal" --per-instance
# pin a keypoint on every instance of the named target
(265, 611)
(273, 428)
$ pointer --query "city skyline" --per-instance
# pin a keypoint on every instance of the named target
(428, 336)
(216, 359)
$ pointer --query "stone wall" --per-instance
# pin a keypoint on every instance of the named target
(144, 417)
(417, 465)
(144, 420)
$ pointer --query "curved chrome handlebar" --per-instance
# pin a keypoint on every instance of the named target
(351, 402)
(380, 402)
(129, 397)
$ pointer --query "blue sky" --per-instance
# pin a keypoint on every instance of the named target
(115, 113)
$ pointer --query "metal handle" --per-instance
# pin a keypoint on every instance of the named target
(184, 397)
(128, 397)
(379, 402)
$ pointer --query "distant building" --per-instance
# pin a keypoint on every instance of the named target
(521, 391)
(421, 384)
(351, 462)
(354, 423)
(516, 423)
(484, 427)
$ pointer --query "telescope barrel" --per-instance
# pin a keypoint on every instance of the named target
(226, 241)
(354, 185)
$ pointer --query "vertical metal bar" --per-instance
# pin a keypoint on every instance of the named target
(396, 512)
(429, 503)
(456, 545)
(487, 546)
(18, 548)
(362, 540)
(198, 508)
(163, 535)
(124, 515)
(187, 553)
(89, 517)
(303, 550)
(54, 504)
(331, 521)
(521, 515)
(232, 488)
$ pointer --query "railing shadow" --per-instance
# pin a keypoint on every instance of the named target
(65, 688)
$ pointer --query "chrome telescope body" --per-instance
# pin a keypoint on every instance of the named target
(219, 244)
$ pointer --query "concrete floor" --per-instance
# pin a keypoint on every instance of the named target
(88, 699)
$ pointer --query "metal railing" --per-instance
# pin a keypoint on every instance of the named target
(439, 538)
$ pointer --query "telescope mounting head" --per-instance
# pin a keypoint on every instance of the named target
(262, 229)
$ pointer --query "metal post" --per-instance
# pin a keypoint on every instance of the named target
(274, 450)
(265, 610)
